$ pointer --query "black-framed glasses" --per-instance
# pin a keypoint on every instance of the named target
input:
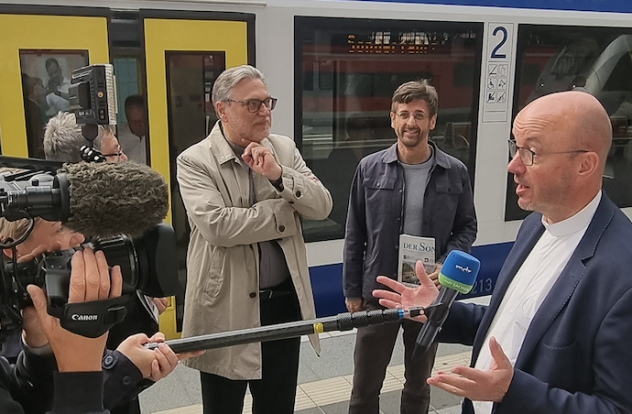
(115, 154)
(254, 105)
(526, 155)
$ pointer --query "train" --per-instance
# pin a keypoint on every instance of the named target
(333, 65)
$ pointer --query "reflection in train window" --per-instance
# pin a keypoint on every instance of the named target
(190, 79)
(45, 82)
(594, 60)
(346, 73)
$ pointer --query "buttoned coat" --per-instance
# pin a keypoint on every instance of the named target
(576, 356)
(223, 257)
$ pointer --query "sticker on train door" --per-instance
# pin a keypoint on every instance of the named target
(496, 72)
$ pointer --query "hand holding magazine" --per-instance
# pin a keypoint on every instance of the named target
(412, 249)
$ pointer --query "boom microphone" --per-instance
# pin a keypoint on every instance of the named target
(95, 199)
(115, 198)
(457, 275)
(341, 322)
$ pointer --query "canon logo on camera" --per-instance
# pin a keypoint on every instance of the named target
(77, 317)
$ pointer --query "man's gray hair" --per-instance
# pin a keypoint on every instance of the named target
(229, 78)
(63, 138)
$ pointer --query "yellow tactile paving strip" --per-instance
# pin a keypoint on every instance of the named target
(334, 390)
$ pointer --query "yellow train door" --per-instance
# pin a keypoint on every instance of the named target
(37, 56)
(184, 54)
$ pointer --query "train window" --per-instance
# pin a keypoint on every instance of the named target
(45, 82)
(308, 81)
(131, 119)
(573, 57)
(596, 60)
(190, 79)
(356, 65)
(529, 74)
(127, 82)
(463, 74)
(621, 79)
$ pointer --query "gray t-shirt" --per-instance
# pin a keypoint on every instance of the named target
(416, 178)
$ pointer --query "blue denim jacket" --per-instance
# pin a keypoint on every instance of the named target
(374, 220)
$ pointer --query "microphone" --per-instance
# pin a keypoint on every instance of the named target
(457, 275)
(96, 199)
(110, 199)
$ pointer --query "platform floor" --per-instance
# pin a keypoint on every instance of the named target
(324, 382)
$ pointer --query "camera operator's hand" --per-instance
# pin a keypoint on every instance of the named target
(153, 364)
(89, 281)
(32, 333)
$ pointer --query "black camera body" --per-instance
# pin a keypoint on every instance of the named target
(147, 264)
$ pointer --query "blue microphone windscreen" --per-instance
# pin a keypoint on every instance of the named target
(459, 271)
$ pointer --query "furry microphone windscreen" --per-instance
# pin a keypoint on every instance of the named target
(108, 200)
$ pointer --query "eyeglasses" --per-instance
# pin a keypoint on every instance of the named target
(254, 105)
(405, 116)
(115, 154)
(526, 155)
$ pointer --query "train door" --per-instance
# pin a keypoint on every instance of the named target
(38, 53)
(184, 54)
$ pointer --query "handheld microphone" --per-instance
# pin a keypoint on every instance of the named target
(457, 275)
(96, 199)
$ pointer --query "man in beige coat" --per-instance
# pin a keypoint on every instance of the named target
(245, 191)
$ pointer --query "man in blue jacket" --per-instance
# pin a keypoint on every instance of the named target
(556, 335)
(410, 188)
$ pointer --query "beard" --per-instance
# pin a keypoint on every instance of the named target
(412, 137)
(550, 199)
(247, 129)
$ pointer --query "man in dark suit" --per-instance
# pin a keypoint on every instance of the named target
(556, 335)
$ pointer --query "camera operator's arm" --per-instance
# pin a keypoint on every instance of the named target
(8, 404)
(144, 366)
(30, 380)
(78, 385)
(154, 364)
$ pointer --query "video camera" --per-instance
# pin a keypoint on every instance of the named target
(148, 263)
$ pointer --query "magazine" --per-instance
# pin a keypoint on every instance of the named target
(412, 249)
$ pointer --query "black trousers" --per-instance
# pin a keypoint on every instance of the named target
(373, 350)
(275, 392)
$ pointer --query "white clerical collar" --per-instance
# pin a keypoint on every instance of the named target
(575, 223)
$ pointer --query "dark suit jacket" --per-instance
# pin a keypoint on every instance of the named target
(577, 353)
